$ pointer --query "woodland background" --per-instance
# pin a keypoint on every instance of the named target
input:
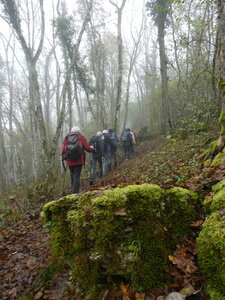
(101, 65)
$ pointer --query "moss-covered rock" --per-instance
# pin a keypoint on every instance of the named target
(211, 244)
(219, 186)
(122, 233)
(219, 158)
(217, 200)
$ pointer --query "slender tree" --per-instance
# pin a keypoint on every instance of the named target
(120, 61)
(159, 12)
(221, 66)
(13, 17)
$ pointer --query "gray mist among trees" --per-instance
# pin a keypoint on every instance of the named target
(100, 65)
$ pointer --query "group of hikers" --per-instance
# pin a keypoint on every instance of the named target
(103, 148)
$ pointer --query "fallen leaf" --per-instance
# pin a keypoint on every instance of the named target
(197, 223)
(173, 259)
(39, 295)
(12, 292)
(120, 213)
(187, 291)
(139, 296)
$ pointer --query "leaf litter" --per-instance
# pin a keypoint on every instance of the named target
(25, 250)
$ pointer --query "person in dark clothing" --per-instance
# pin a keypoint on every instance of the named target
(115, 141)
(107, 152)
(127, 143)
(75, 166)
(96, 156)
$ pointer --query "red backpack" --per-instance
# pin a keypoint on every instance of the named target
(74, 148)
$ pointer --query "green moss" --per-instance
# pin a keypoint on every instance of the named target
(216, 200)
(213, 147)
(219, 159)
(211, 244)
(222, 117)
(219, 186)
(126, 232)
(211, 152)
(207, 162)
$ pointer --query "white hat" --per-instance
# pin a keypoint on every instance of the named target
(75, 129)
(105, 131)
(99, 133)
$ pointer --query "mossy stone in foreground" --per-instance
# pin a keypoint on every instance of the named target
(121, 234)
(219, 158)
(211, 244)
(217, 201)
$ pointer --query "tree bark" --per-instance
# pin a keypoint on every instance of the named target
(166, 121)
(221, 58)
(120, 63)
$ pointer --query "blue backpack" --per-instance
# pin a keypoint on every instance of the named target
(126, 136)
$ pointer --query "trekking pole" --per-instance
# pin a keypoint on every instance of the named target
(64, 176)
(63, 158)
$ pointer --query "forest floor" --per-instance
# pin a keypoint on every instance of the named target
(25, 251)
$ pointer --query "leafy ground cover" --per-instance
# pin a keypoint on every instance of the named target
(25, 251)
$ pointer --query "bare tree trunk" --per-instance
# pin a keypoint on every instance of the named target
(12, 12)
(10, 174)
(133, 58)
(120, 63)
(221, 58)
(52, 152)
(166, 122)
(3, 158)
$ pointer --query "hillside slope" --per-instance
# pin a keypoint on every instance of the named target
(25, 251)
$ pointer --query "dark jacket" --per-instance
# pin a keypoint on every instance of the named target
(108, 146)
(97, 143)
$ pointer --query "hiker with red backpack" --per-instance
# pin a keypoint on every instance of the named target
(73, 152)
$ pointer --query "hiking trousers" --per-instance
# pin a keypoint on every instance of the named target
(75, 172)
(94, 161)
(107, 164)
(127, 151)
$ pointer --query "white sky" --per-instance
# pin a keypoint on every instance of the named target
(132, 12)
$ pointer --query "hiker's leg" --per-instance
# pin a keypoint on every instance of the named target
(71, 174)
(76, 179)
(115, 159)
(93, 167)
(110, 162)
(100, 167)
(124, 151)
(128, 152)
(106, 164)
(132, 149)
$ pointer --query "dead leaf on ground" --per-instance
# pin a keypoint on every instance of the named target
(197, 223)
